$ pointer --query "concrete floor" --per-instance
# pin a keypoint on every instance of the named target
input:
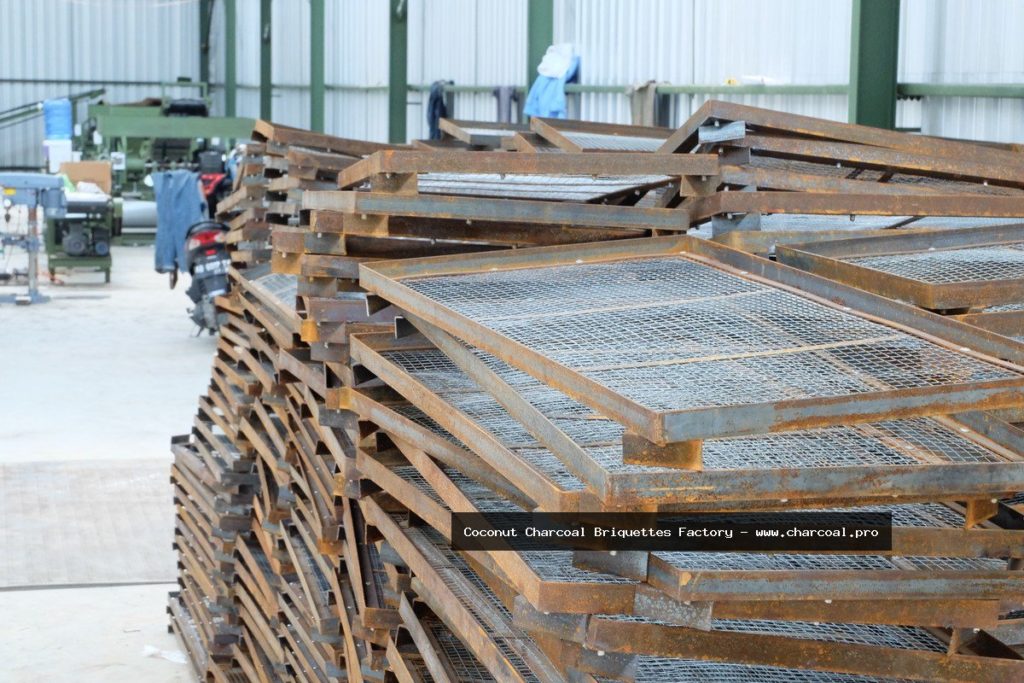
(101, 372)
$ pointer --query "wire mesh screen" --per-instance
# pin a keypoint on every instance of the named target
(662, 670)
(913, 441)
(949, 266)
(615, 143)
(283, 287)
(670, 333)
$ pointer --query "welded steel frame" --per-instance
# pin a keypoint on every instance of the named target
(854, 156)
(473, 624)
(832, 260)
(468, 131)
(663, 427)
(672, 641)
(554, 131)
(685, 138)
(578, 164)
(667, 489)
(918, 596)
(497, 210)
(699, 209)
(662, 640)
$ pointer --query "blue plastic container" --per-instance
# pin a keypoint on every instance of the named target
(57, 119)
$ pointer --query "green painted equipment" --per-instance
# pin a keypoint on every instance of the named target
(81, 238)
(154, 134)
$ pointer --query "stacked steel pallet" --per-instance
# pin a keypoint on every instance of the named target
(650, 372)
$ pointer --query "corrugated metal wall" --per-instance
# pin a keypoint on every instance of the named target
(959, 41)
(483, 43)
(707, 42)
(470, 42)
(88, 40)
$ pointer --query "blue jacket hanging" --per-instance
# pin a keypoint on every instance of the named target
(179, 205)
(547, 95)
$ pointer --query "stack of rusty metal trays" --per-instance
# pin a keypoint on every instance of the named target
(499, 362)
(675, 374)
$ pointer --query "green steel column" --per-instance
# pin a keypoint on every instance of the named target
(316, 65)
(874, 55)
(266, 84)
(398, 76)
(540, 33)
(230, 65)
(205, 8)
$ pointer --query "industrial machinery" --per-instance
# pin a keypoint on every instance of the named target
(43, 195)
(157, 134)
(81, 238)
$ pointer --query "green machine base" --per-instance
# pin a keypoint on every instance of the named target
(61, 261)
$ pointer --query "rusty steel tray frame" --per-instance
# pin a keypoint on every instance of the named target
(668, 489)
(763, 243)
(497, 210)
(832, 203)
(1009, 323)
(471, 132)
(406, 163)
(615, 635)
(776, 649)
(559, 132)
(647, 600)
(286, 136)
(831, 259)
(477, 624)
(685, 138)
(793, 595)
(665, 427)
(853, 156)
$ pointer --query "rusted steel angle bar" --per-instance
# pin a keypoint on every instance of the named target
(413, 285)
(1009, 323)
(918, 476)
(499, 210)
(791, 181)
(466, 607)
(942, 269)
(854, 156)
(326, 229)
(774, 648)
(763, 243)
(590, 137)
(594, 164)
(548, 582)
(287, 135)
(840, 204)
(684, 139)
(480, 133)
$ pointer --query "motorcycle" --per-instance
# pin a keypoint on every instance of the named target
(202, 251)
(207, 261)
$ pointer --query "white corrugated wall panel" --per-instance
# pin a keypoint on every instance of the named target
(89, 40)
(290, 69)
(483, 43)
(470, 42)
(707, 42)
(960, 41)
(357, 69)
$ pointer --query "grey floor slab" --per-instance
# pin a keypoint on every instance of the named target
(86, 522)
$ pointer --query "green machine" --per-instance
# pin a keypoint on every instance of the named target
(156, 134)
(80, 239)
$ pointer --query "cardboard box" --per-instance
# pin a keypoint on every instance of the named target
(97, 172)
